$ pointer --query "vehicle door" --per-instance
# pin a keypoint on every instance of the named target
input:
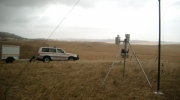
(62, 54)
(53, 54)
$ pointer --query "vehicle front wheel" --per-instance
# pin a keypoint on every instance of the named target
(71, 59)
(46, 59)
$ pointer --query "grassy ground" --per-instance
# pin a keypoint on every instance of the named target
(82, 80)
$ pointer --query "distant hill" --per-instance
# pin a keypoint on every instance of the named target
(6, 35)
(113, 41)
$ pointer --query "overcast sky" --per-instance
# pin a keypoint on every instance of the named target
(91, 19)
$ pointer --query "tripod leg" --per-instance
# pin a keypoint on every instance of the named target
(140, 66)
(111, 67)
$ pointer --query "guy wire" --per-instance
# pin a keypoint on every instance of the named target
(27, 64)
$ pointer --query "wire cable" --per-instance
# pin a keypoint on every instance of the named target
(154, 55)
(61, 22)
(5, 92)
(150, 57)
(27, 64)
(56, 27)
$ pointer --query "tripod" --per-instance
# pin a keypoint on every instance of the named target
(125, 63)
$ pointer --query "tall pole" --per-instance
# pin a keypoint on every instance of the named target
(159, 54)
(159, 50)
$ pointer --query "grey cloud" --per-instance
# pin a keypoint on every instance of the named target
(25, 19)
(41, 3)
(26, 11)
(13, 15)
(26, 3)
(82, 3)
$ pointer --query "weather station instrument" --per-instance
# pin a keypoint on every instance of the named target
(125, 51)
(125, 54)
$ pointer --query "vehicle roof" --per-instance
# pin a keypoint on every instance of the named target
(50, 47)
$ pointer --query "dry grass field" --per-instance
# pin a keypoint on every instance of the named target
(82, 80)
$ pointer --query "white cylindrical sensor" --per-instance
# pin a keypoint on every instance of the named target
(117, 40)
(127, 37)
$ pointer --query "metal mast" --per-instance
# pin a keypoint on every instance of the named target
(159, 50)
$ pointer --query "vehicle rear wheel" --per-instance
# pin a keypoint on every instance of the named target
(46, 59)
(9, 60)
(71, 59)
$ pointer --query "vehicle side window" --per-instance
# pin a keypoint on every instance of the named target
(45, 49)
(52, 50)
(60, 51)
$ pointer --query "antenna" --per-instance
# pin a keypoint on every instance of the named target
(124, 54)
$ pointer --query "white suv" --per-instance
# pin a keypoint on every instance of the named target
(47, 54)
